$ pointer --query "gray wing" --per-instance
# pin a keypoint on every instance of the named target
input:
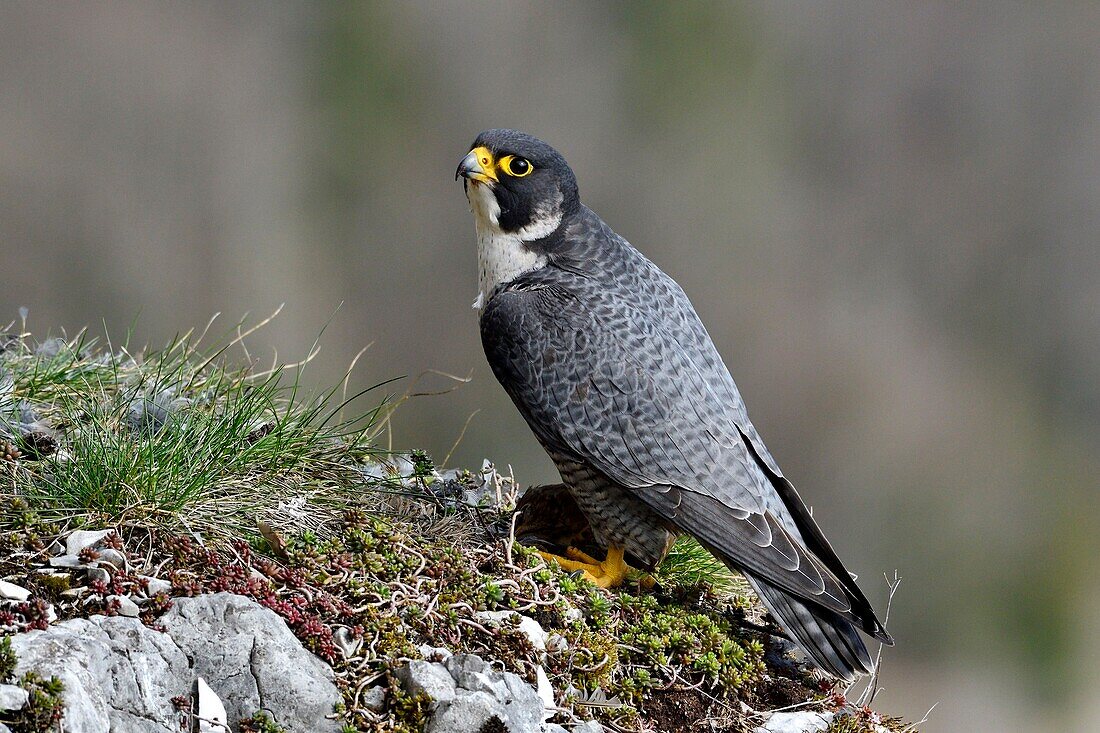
(627, 380)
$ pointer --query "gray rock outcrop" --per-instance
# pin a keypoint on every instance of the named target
(120, 675)
(470, 695)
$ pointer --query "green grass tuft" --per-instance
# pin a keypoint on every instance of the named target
(179, 435)
(690, 564)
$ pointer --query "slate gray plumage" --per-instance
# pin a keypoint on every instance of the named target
(605, 357)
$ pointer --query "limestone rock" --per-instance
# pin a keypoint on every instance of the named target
(434, 653)
(544, 688)
(114, 558)
(472, 694)
(98, 574)
(155, 585)
(95, 659)
(227, 634)
(120, 675)
(374, 698)
(66, 561)
(466, 714)
(431, 679)
(346, 642)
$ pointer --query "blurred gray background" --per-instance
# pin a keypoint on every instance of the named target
(887, 215)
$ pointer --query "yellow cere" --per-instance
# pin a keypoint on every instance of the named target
(488, 165)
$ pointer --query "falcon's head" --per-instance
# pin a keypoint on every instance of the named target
(517, 184)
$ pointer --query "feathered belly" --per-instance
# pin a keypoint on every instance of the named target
(617, 517)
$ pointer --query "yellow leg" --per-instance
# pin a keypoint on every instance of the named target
(607, 574)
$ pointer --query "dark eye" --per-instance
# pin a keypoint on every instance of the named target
(516, 166)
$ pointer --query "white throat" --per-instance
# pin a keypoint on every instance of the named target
(504, 256)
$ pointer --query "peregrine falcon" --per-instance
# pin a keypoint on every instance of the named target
(617, 377)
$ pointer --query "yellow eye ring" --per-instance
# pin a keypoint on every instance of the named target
(515, 166)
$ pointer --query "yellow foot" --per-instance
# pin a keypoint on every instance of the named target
(607, 574)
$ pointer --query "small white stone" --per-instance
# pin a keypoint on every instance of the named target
(796, 722)
(556, 643)
(82, 538)
(113, 558)
(13, 592)
(374, 698)
(99, 574)
(12, 697)
(432, 653)
(589, 726)
(126, 607)
(527, 625)
(347, 643)
(210, 713)
(544, 688)
(155, 585)
(66, 561)
(431, 679)
(56, 548)
(54, 574)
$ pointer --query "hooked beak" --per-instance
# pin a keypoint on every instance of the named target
(478, 165)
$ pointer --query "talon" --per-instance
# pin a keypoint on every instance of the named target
(583, 575)
(576, 554)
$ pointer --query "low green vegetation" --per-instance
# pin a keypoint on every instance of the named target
(230, 478)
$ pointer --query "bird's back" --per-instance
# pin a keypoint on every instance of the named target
(597, 281)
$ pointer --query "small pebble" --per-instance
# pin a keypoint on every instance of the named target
(156, 585)
(374, 698)
(126, 607)
(347, 643)
(113, 558)
(12, 697)
(13, 592)
(82, 538)
(99, 574)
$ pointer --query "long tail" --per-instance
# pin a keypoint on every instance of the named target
(832, 642)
